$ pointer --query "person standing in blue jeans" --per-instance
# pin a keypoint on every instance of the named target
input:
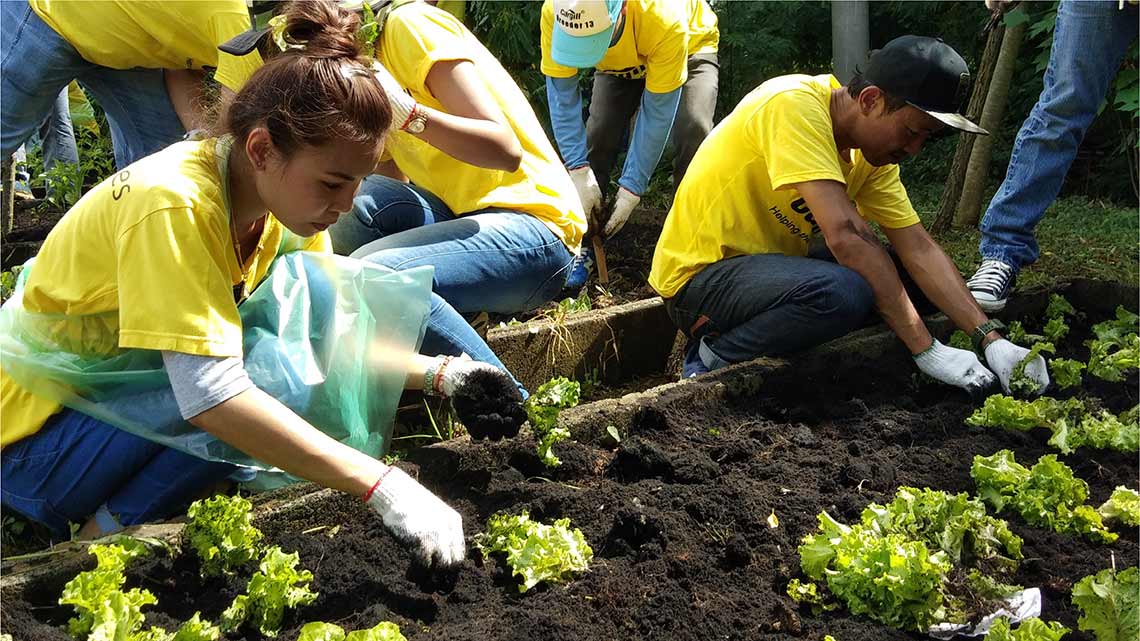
(1090, 39)
(144, 62)
(802, 158)
(469, 184)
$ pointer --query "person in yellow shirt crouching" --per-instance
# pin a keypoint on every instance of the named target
(145, 62)
(150, 267)
(800, 157)
(469, 183)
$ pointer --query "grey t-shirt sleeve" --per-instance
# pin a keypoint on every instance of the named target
(203, 382)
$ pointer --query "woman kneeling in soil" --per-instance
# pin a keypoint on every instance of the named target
(162, 253)
(489, 205)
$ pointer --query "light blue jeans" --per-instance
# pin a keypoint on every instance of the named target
(493, 260)
(36, 63)
(57, 135)
(1089, 42)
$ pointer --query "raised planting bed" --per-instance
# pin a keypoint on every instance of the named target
(678, 514)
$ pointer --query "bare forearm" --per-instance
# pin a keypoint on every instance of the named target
(483, 143)
(868, 258)
(186, 90)
(939, 279)
(262, 427)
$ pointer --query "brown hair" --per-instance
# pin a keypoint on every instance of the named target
(858, 83)
(317, 92)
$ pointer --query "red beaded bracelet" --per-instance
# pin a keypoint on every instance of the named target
(368, 494)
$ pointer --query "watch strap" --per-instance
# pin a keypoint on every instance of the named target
(979, 333)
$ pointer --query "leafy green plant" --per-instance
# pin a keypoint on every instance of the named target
(1017, 334)
(1109, 606)
(542, 410)
(221, 533)
(1031, 629)
(1055, 329)
(961, 340)
(63, 184)
(103, 609)
(275, 586)
(1123, 506)
(1066, 372)
(1116, 347)
(1106, 431)
(535, 551)
(1048, 494)
(320, 631)
(1070, 421)
(808, 592)
(1059, 307)
(1019, 382)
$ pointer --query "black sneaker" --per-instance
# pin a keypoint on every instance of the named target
(992, 284)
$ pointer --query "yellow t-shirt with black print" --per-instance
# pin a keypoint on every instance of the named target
(416, 36)
(737, 198)
(655, 44)
(168, 34)
(147, 255)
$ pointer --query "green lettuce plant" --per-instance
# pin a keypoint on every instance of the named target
(220, 532)
(1116, 348)
(1109, 606)
(1019, 382)
(320, 631)
(1123, 506)
(275, 586)
(1031, 629)
(1066, 372)
(536, 552)
(542, 410)
(1070, 421)
(1048, 494)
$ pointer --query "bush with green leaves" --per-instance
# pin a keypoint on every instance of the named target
(1047, 495)
(221, 533)
(542, 410)
(536, 552)
(1110, 604)
(276, 585)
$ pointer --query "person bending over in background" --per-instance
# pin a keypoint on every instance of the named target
(802, 156)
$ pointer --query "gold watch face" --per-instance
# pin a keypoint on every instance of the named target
(416, 126)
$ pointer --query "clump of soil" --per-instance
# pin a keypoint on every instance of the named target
(677, 514)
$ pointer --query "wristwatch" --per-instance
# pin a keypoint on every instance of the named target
(417, 121)
(979, 334)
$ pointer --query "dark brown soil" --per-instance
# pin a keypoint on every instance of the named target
(676, 515)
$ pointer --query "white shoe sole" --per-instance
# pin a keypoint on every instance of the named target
(992, 305)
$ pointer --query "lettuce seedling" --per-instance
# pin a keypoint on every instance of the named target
(1060, 417)
(221, 533)
(1059, 307)
(535, 551)
(1031, 629)
(1019, 382)
(542, 410)
(1109, 606)
(1123, 506)
(275, 586)
(320, 631)
(801, 592)
(953, 523)
(1017, 335)
(97, 596)
(891, 579)
(1066, 372)
(1116, 347)
(1048, 494)
(961, 340)
(1055, 329)
(1106, 431)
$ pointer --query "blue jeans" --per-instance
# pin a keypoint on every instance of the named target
(492, 260)
(1089, 42)
(57, 135)
(744, 307)
(36, 63)
(76, 465)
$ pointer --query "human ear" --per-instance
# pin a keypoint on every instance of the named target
(259, 148)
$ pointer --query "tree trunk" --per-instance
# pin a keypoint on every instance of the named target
(952, 192)
(850, 37)
(969, 207)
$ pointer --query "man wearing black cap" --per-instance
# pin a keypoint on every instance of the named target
(802, 156)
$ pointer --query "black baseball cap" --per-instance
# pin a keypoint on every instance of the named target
(245, 42)
(928, 74)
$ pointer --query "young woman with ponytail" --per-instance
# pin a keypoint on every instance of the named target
(163, 252)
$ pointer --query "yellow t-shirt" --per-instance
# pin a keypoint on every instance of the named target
(146, 260)
(658, 38)
(736, 198)
(168, 34)
(415, 37)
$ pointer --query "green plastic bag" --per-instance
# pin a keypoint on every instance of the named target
(323, 334)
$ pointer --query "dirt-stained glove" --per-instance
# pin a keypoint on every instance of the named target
(588, 191)
(1003, 356)
(623, 206)
(953, 366)
(418, 518)
(402, 103)
(486, 400)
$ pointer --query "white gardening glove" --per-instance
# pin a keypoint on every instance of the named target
(402, 103)
(588, 191)
(953, 366)
(623, 207)
(418, 518)
(1003, 356)
(485, 398)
